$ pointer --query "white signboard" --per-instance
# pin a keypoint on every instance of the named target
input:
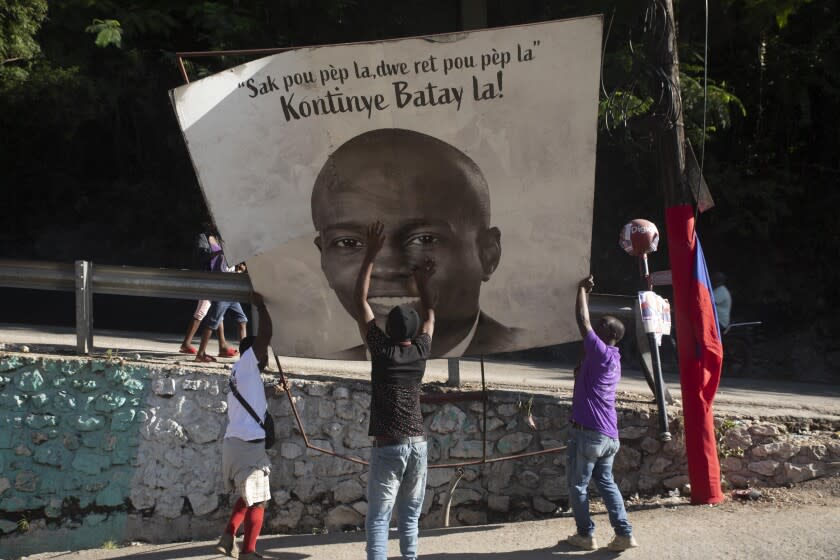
(476, 149)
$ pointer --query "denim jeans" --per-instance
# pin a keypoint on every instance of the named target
(217, 311)
(397, 475)
(591, 456)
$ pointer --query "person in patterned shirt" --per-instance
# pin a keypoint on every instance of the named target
(398, 360)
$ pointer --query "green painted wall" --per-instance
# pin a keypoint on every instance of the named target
(69, 435)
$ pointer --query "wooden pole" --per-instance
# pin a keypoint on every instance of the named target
(670, 138)
(699, 370)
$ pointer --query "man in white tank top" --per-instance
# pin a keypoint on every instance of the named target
(245, 464)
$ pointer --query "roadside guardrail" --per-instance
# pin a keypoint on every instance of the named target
(86, 278)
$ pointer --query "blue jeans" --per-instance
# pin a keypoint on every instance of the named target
(591, 455)
(217, 311)
(397, 475)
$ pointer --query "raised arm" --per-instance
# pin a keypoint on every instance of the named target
(265, 329)
(428, 298)
(374, 242)
(582, 306)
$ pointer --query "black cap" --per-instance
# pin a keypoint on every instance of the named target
(403, 322)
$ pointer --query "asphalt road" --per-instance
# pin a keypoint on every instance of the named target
(744, 531)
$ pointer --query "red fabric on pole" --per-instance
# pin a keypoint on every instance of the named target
(700, 352)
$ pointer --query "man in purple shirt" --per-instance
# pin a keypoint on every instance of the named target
(593, 434)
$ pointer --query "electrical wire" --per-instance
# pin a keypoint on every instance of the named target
(667, 102)
(608, 98)
(705, 91)
(604, 52)
(703, 130)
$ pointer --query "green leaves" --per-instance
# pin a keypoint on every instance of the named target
(620, 108)
(763, 12)
(73, 105)
(108, 32)
(19, 22)
(719, 106)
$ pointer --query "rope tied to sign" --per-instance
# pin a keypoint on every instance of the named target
(446, 397)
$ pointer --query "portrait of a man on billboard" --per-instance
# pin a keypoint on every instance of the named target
(435, 203)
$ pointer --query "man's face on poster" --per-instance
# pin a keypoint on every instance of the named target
(434, 203)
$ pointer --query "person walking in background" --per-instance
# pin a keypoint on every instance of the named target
(723, 299)
(398, 459)
(593, 433)
(198, 315)
(214, 321)
(204, 248)
(245, 464)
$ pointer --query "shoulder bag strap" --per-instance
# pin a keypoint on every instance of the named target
(245, 404)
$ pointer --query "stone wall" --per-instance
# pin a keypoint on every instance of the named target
(756, 453)
(96, 450)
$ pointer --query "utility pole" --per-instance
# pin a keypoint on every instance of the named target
(698, 354)
(670, 138)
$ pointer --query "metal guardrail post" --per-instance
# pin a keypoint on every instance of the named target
(84, 307)
(454, 368)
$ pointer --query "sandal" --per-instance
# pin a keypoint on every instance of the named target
(228, 353)
(205, 358)
(187, 350)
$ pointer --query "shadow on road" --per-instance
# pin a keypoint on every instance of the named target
(560, 550)
(206, 550)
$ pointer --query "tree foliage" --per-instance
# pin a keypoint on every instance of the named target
(98, 169)
(108, 32)
(19, 23)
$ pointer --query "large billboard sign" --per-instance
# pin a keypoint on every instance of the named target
(475, 149)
